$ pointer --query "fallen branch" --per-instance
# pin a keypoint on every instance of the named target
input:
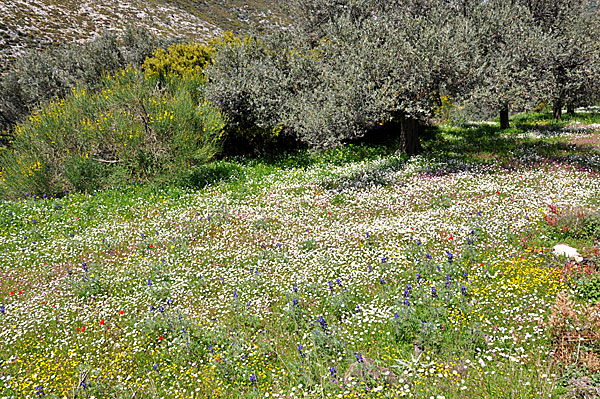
(107, 160)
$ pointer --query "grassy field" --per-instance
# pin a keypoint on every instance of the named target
(353, 273)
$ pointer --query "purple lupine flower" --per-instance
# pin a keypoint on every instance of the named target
(2, 309)
(295, 302)
(333, 372)
(450, 256)
(85, 268)
(433, 291)
(295, 288)
(300, 352)
(323, 323)
(359, 357)
(463, 290)
(252, 379)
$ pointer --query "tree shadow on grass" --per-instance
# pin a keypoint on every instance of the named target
(472, 147)
(477, 145)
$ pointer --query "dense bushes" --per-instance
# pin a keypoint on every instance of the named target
(38, 77)
(250, 82)
(367, 66)
(132, 128)
(180, 59)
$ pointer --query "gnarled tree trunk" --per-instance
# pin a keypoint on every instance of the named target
(504, 121)
(570, 108)
(557, 109)
(409, 136)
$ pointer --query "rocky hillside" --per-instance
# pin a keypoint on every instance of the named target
(26, 24)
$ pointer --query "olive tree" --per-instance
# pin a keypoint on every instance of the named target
(510, 46)
(347, 67)
(571, 59)
(381, 63)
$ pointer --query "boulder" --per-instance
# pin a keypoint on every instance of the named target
(567, 251)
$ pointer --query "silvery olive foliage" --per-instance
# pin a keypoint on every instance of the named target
(40, 76)
(534, 51)
(251, 81)
(572, 53)
(510, 46)
(349, 68)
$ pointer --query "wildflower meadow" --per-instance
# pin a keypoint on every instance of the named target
(356, 272)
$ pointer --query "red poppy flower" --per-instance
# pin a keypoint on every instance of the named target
(160, 338)
(101, 322)
(121, 312)
(83, 329)
(43, 303)
(12, 293)
(151, 246)
(20, 292)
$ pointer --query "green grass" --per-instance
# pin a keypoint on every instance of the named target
(275, 275)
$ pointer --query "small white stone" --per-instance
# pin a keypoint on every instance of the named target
(567, 251)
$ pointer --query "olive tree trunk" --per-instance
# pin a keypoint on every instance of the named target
(504, 121)
(409, 136)
(557, 109)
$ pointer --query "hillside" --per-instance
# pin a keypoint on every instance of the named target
(26, 24)
(353, 273)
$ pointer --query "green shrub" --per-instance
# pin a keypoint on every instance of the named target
(589, 287)
(131, 129)
(578, 223)
(179, 60)
(249, 82)
(38, 77)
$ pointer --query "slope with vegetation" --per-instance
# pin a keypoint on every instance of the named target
(214, 220)
(356, 272)
(26, 25)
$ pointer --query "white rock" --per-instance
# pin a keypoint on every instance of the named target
(567, 251)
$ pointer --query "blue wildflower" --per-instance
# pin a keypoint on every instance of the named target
(323, 323)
